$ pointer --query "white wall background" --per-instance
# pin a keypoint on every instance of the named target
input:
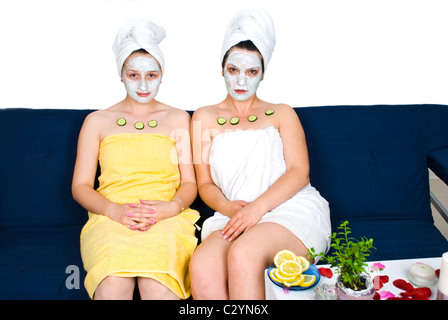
(57, 53)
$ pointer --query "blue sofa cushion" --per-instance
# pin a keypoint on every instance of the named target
(366, 172)
(399, 239)
(37, 162)
(35, 261)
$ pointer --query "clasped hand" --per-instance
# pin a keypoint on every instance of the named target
(141, 216)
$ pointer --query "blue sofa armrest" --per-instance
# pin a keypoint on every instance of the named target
(438, 163)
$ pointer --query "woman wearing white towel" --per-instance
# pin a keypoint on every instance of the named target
(252, 168)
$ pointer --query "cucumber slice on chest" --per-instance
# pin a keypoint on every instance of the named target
(234, 120)
(152, 123)
(121, 122)
(139, 125)
(252, 118)
(221, 120)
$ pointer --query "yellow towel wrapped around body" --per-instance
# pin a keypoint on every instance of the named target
(138, 166)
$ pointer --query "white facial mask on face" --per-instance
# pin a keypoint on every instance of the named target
(240, 83)
(142, 78)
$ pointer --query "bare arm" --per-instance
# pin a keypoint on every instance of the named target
(85, 171)
(187, 191)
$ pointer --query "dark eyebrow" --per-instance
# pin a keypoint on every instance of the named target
(232, 65)
(132, 70)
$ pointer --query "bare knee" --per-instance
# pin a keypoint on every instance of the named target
(245, 257)
(151, 289)
(204, 277)
(115, 288)
(196, 269)
(208, 272)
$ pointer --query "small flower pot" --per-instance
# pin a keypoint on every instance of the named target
(350, 294)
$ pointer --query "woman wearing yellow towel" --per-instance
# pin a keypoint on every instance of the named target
(140, 230)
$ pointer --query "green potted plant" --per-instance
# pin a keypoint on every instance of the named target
(349, 257)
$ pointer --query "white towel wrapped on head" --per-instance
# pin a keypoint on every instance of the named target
(255, 25)
(136, 34)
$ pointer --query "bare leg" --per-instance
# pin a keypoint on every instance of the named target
(252, 252)
(151, 289)
(208, 269)
(115, 288)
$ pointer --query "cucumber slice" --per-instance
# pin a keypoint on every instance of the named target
(221, 121)
(234, 120)
(252, 118)
(269, 112)
(152, 123)
(139, 125)
(121, 122)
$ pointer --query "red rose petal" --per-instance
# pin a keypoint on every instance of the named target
(438, 273)
(377, 282)
(384, 279)
(403, 285)
(414, 295)
(417, 294)
(377, 296)
(326, 272)
(424, 291)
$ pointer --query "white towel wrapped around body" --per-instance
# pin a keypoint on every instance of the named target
(244, 164)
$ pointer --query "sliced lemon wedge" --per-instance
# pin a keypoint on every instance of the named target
(309, 280)
(304, 262)
(297, 281)
(290, 268)
(282, 256)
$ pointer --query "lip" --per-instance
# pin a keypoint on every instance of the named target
(143, 95)
(239, 91)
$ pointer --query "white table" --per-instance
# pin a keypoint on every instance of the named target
(395, 269)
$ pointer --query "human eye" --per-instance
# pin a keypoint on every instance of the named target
(152, 75)
(253, 72)
(232, 70)
(132, 75)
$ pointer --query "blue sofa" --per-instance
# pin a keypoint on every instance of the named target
(369, 162)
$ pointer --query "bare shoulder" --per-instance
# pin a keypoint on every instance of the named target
(100, 117)
(94, 119)
(285, 112)
(177, 117)
(179, 114)
(98, 122)
(205, 113)
(283, 108)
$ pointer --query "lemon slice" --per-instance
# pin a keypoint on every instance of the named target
(304, 262)
(282, 256)
(290, 268)
(297, 281)
(273, 275)
(281, 277)
(309, 279)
